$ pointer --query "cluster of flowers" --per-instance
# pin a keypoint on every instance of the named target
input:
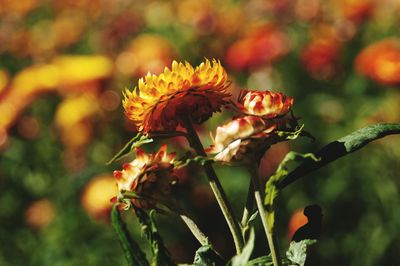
(185, 94)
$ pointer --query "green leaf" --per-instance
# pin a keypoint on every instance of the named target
(133, 254)
(242, 258)
(271, 190)
(161, 256)
(340, 148)
(135, 142)
(261, 261)
(297, 252)
(201, 160)
(206, 256)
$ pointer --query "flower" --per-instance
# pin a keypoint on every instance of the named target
(257, 130)
(380, 61)
(320, 58)
(264, 45)
(240, 136)
(149, 176)
(161, 101)
(266, 104)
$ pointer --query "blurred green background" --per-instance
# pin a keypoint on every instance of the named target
(64, 64)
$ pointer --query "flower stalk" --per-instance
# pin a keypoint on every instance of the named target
(198, 234)
(268, 228)
(215, 185)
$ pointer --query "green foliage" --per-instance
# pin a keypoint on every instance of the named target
(244, 257)
(297, 252)
(161, 256)
(135, 142)
(206, 256)
(340, 148)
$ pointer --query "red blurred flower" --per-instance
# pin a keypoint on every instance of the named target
(321, 58)
(263, 46)
(357, 10)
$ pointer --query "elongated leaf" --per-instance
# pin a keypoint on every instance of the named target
(261, 261)
(206, 256)
(135, 142)
(133, 254)
(161, 255)
(243, 258)
(340, 148)
(297, 252)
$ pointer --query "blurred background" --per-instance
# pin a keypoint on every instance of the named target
(65, 63)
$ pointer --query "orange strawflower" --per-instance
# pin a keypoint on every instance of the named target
(254, 132)
(380, 61)
(149, 176)
(267, 104)
(159, 101)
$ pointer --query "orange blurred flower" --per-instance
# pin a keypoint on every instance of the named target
(267, 104)
(297, 220)
(321, 58)
(96, 196)
(357, 10)
(146, 53)
(380, 61)
(40, 213)
(254, 132)
(149, 176)
(263, 46)
(160, 101)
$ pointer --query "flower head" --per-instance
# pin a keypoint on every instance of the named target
(149, 176)
(240, 136)
(160, 101)
(257, 130)
(266, 104)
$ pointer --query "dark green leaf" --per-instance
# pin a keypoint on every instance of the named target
(161, 256)
(133, 254)
(261, 261)
(242, 258)
(135, 142)
(340, 148)
(206, 256)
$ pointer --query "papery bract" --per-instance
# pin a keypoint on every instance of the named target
(267, 104)
(160, 101)
(149, 176)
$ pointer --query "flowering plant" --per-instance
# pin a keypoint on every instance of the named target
(167, 106)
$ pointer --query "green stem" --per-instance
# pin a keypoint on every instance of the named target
(216, 187)
(248, 208)
(133, 254)
(198, 234)
(268, 229)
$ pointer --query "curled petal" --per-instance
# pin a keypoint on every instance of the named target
(267, 104)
